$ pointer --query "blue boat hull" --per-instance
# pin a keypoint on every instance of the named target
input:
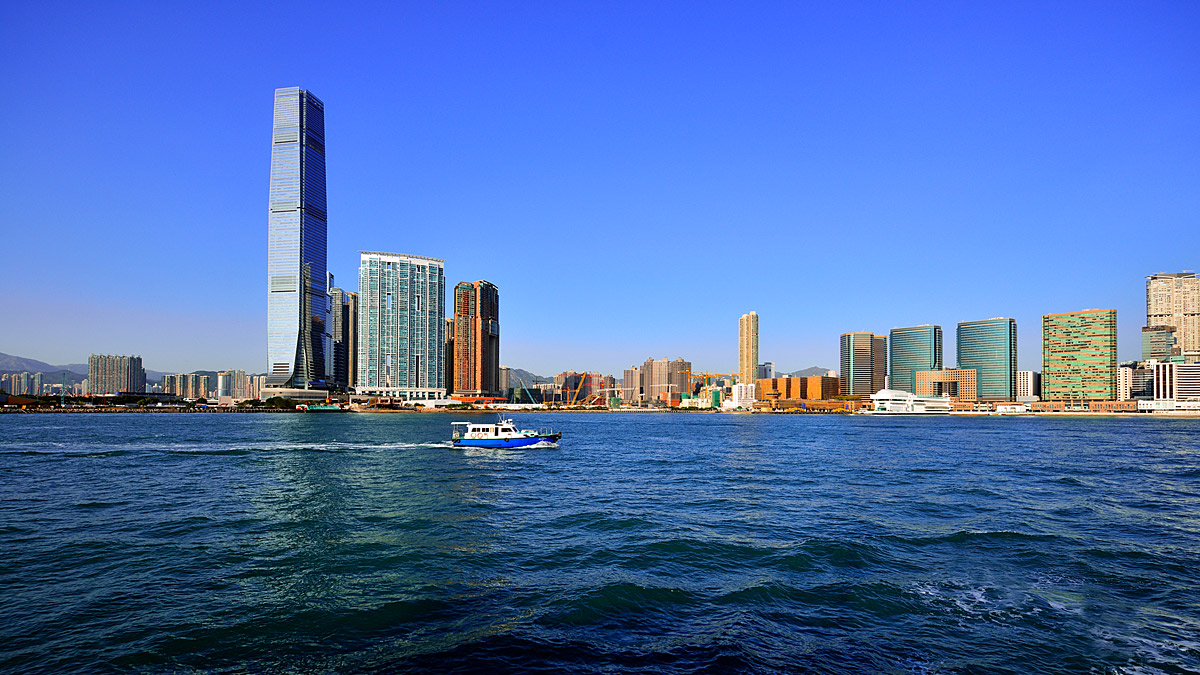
(505, 442)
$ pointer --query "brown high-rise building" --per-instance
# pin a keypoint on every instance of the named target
(476, 339)
(449, 354)
(864, 364)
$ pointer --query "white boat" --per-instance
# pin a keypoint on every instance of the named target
(503, 434)
(895, 402)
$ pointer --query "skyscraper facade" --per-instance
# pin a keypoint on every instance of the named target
(912, 349)
(1079, 355)
(115, 374)
(477, 339)
(864, 364)
(297, 300)
(989, 346)
(343, 333)
(1174, 300)
(401, 326)
(448, 354)
(1158, 342)
(748, 348)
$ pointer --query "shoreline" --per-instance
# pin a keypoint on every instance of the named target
(490, 411)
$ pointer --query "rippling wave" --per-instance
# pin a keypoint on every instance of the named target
(665, 543)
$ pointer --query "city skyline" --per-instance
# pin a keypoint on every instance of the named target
(911, 144)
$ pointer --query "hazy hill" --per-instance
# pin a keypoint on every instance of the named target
(807, 372)
(517, 375)
(76, 372)
(18, 364)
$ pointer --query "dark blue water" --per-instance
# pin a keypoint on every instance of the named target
(670, 543)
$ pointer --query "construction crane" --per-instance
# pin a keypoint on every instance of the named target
(580, 387)
(529, 395)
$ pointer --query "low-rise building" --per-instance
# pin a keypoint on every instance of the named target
(1029, 383)
(1113, 406)
(1176, 381)
(958, 383)
(740, 396)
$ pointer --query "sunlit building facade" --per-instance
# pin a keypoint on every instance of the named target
(1174, 300)
(910, 350)
(863, 363)
(476, 339)
(748, 348)
(1079, 355)
(989, 347)
(297, 301)
(401, 326)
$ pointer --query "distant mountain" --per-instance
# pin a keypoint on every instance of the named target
(517, 375)
(807, 372)
(18, 364)
(76, 372)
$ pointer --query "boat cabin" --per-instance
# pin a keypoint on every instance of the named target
(473, 430)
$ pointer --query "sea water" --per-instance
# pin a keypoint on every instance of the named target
(645, 543)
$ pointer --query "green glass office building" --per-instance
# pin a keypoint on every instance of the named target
(1079, 355)
(912, 349)
(1158, 342)
(989, 347)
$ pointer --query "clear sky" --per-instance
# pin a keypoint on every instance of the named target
(633, 177)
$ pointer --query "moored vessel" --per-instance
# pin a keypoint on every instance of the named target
(895, 402)
(320, 407)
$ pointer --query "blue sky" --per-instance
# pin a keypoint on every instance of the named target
(633, 177)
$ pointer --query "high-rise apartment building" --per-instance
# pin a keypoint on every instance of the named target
(748, 348)
(19, 384)
(989, 346)
(235, 384)
(115, 374)
(661, 380)
(1079, 355)
(910, 350)
(297, 223)
(631, 385)
(477, 339)
(1174, 300)
(448, 354)
(343, 334)
(1124, 383)
(864, 364)
(192, 385)
(1029, 383)
(401, 326)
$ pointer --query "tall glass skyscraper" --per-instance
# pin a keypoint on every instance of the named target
(864, 364)
(989, 346)
(912, 349)
(297, 302)
(401, 326)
